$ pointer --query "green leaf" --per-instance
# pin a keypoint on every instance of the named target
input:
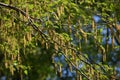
(25, 72)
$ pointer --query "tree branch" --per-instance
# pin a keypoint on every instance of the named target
(24, 14)
(14, 8)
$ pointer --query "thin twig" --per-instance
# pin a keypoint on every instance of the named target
(24, 14)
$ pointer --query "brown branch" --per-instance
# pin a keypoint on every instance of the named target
(80, 71)
(14, 8)
(24, 14)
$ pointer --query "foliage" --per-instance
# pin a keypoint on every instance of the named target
(42, 39)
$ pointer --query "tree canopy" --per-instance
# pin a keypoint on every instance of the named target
(60, 39)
